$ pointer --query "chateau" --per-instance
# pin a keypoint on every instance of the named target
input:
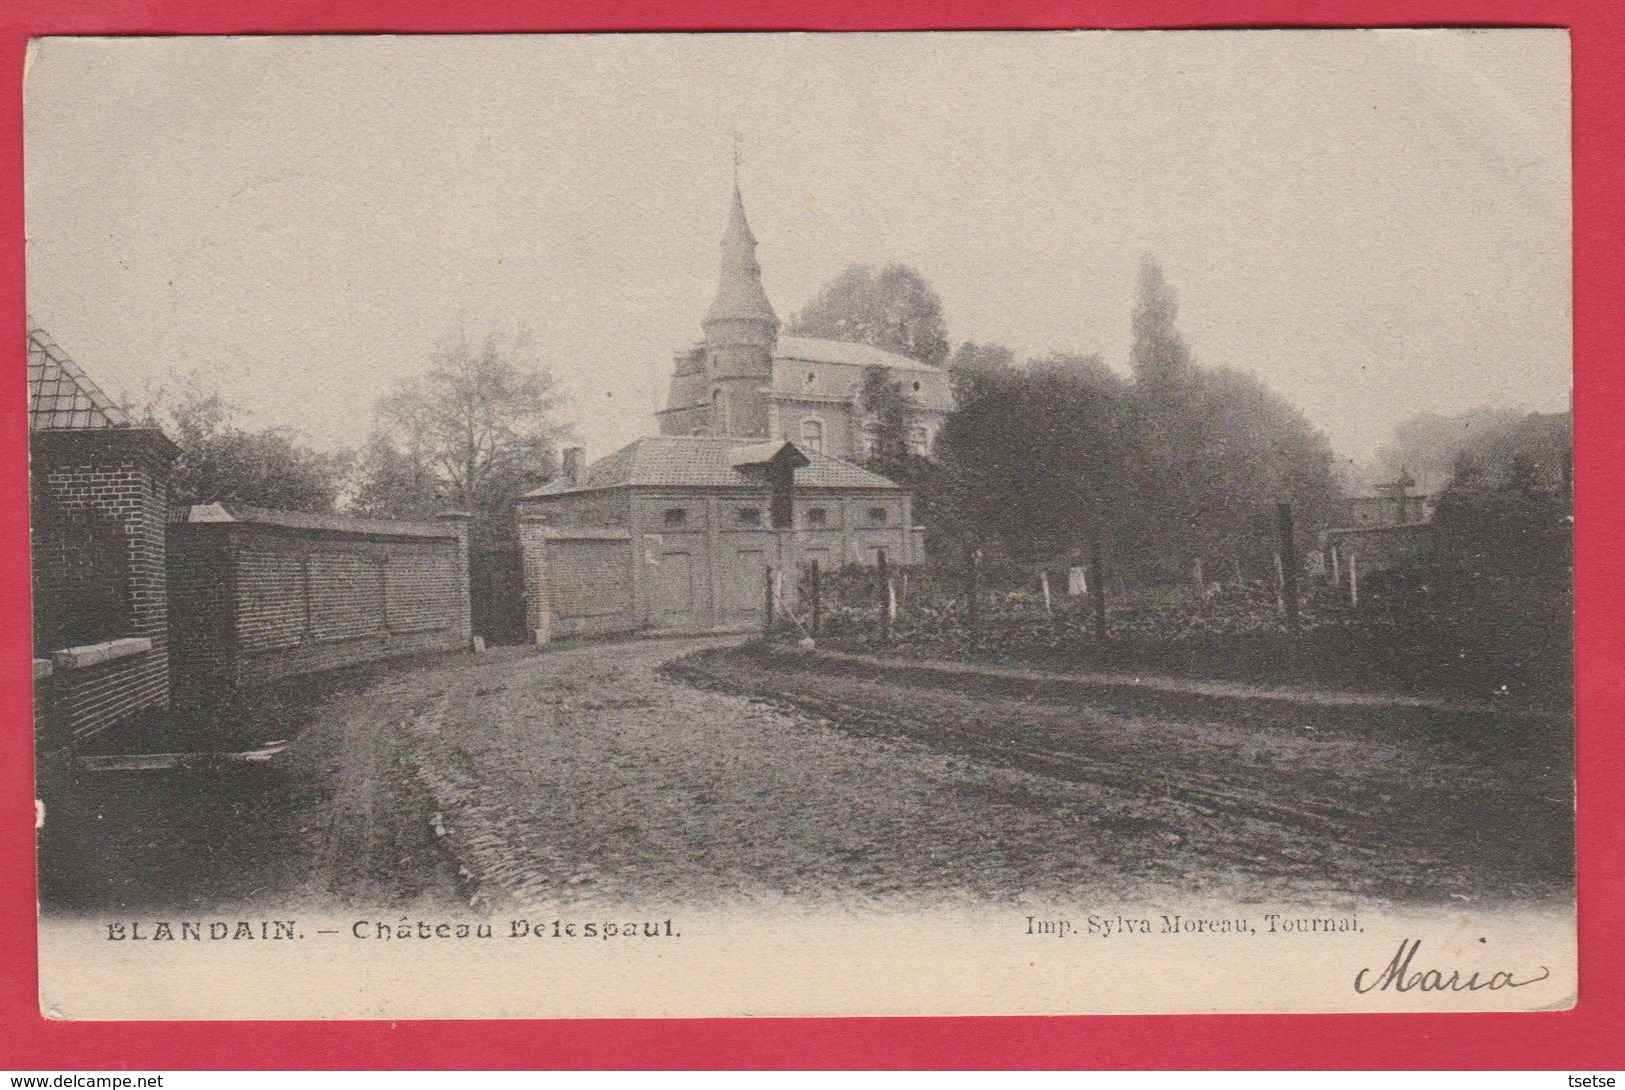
(745, 381)
(753, 471)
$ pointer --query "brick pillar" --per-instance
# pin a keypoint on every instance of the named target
(533, 536)
(123, 475)
(458, 521)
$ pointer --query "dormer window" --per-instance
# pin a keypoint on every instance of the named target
(811, 377)
(916, 385)
(812, 434)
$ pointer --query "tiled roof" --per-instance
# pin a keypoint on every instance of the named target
(697, 461)
(60, 394)
(824, 350)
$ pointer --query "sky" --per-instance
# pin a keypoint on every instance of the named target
(1376, 224)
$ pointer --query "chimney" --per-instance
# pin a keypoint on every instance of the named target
(571, 470)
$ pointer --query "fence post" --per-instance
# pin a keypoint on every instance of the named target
(1097, 588)
(974, 591)
(767, 602)
(883, 572)
(817, 598)
(1354, 581)
(1199, 579)
(1043, 586)
(1289, 565)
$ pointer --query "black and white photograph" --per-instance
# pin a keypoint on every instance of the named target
(802, 524)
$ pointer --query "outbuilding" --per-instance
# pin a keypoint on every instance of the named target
(676, 533)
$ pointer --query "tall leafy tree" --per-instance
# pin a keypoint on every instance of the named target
(473, 431)
(971, 363)
(892, 308)
(1037, 456)
(1159, 354)
(1214, 450)
(396, 481)
(225, 460)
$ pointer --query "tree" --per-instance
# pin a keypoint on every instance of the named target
(973, 363)
(396, 483)
(1037, 456)
(893, 308)
(1427, 445)
(1214, 449)
(473, 432)
(224, 461)
(1159, 354)
(882, 398)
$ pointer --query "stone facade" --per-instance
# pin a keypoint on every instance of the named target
(675, 534)
(746, 381)
(752, 471)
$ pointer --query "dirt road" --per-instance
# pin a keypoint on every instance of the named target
(1403, 801)
(597, 775)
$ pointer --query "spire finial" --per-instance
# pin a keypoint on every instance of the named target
(739, 148)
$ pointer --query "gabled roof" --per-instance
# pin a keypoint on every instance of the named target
(851, 353)
(60, 394)
(699, 461)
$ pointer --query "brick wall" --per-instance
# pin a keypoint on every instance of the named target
(120, 476)
(262, 595)
(578, 582)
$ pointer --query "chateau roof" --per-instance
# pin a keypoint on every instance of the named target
(851, 353)
(740, 295)
(700, 461)
(60, 394)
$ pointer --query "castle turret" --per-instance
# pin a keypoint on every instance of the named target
(740, 332)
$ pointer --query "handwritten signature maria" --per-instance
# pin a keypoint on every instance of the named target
(1397, 975)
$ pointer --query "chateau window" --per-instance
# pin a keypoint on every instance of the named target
(812, 434)
(877, 515)
(701, 432)
(816, 516)
(919, 441)
(811, 377)
(916, 385)
(676, 516)
(749, 516)
(871, 440)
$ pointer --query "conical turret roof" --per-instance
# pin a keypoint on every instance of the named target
(740, 296)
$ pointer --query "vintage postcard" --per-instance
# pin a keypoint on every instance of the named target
(802, 524)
